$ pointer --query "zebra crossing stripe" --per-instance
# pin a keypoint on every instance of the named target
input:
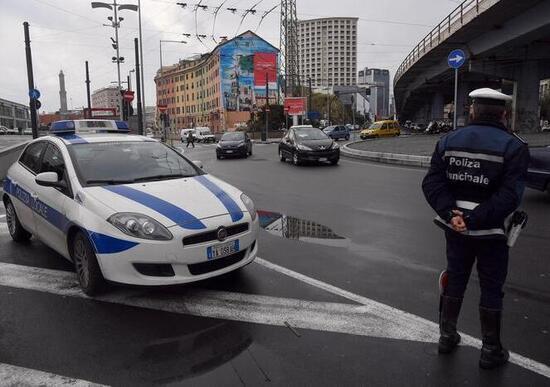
(11, 375)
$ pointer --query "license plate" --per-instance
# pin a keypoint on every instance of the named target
(223, 250)
(322, 159)
(229, 151)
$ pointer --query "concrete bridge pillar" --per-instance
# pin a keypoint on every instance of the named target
(462, 106)
(526, 105)
(438, 105)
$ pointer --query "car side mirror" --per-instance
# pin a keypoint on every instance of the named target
(198, 164)
(49, 179)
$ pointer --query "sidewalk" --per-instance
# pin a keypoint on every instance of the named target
(413, 150)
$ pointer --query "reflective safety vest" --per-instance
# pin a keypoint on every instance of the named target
(481, 171)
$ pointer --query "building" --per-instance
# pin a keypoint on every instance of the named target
(106, 98)
(149, 117)
(221, 89)
(327, 51)
(45, 119)
(62, 93)
(378, 81)
(14, 115)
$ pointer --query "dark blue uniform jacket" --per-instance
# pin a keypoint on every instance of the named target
(480, 170)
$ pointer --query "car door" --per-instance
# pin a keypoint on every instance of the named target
(23, 184)
(49, 214)
(384, 129)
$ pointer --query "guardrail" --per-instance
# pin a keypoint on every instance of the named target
(461, 15)
(8, 156)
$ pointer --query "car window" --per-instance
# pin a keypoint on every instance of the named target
(384, 126)
(52, 161)
(31, 157)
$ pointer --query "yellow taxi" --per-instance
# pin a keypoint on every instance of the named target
(387, 128)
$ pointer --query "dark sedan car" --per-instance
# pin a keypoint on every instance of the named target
(538, 176)
(234, 144)
(305, 143)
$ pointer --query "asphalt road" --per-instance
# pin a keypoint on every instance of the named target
(9, 140)
(353, 301)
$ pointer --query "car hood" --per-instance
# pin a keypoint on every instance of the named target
(317, 144)
(183, 202)
(230, 144)
(540, 158)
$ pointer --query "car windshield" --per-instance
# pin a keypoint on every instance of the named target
(376, 125)
(128, 162)
(235, 136)
(329, 128)
(310, 134)
(205, 132)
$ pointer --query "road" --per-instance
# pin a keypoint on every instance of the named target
(9, 140)
(352, 302)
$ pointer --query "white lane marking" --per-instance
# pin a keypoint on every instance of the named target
(368, 318)
(19, 376)
(2, 216)
(422, 327)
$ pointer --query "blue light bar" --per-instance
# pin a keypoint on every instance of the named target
(122, 126)
(62, 127)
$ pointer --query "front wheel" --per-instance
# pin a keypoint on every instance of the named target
(347, 137)
(281, 156)
(87, 268)
(17, 232)
(295, 159)
(334, 161)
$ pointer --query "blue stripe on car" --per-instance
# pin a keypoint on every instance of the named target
(233, 208)
(104, 244)
(179, 216)
(73, 139)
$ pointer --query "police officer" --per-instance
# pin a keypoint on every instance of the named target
(475, 182)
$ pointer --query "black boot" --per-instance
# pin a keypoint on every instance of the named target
(449, 309)
(492, 353)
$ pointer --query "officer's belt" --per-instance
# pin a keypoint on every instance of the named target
(466, 205)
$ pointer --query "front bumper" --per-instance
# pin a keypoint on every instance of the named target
(331, 154)
(241, 151)
(184, 263)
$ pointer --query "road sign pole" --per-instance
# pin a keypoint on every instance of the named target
(456, 99)
(32, 104)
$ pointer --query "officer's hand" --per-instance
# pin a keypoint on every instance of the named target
(458, 223)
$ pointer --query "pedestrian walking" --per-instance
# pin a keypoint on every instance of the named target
(475, 183)
(190, 139)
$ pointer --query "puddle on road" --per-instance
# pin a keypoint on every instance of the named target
(289, 227)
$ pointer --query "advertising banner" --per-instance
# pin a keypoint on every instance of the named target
(295, 106)
(265, 63)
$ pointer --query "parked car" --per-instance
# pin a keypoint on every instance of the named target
(185, 132)
(337, 132)
(545, 127)
(27, 131)
(538, 176)
(234, 144)
(12, 131)
(387, 128)
(306, 143)
(3, 130)
(126, 208)
(203, 134)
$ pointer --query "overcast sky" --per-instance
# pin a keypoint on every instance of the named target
(66, 33)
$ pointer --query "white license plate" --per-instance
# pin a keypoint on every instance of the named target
(322, 159)
(229, 151)
(222, 250)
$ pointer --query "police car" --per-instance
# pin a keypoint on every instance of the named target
(127, 208)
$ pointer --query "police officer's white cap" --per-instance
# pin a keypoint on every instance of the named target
(486, 94)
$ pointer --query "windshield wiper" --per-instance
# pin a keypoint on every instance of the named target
(109, 181)
(162, 177)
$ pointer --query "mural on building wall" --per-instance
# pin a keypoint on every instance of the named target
(244, 63)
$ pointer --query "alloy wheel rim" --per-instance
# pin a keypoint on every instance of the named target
(81, 260)
(10, 218)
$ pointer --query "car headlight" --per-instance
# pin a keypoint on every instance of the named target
(219, 145)
(303, 147)
(335, 145)
(249, 204)
(140, 226)
(242, 144)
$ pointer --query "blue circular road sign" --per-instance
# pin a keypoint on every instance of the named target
(456, 59)
(34, 94)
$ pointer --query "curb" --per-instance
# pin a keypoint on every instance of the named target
(266, 142)
(387, 158)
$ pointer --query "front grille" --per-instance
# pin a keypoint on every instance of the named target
(155, 269)
(218, 264)
(213, 235)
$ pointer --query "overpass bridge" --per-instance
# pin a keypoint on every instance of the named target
(508, 47)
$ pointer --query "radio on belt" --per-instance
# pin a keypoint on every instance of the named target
(517, 223)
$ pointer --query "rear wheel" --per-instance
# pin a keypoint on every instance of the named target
(87, 268)
(17, 232)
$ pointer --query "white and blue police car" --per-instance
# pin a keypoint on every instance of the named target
(126, 208)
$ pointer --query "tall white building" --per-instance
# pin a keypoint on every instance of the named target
(327, 51)
(378, 81)
(108, 97)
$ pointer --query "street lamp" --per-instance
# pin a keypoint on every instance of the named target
(160, 50)
(115, 23)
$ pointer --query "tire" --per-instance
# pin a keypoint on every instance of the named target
(17, 231)
(295, 159)
(87, 268)
(347, 137)
(250, 153)
(218, 157)
(334, 162)
(281, 156)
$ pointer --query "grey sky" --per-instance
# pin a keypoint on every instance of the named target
(65, 33)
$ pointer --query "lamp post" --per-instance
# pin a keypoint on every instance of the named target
(115, 23)
(160, 49)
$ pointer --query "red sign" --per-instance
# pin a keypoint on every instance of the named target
(265, 63)
(162, 108)
(128, 95)
(295, 106)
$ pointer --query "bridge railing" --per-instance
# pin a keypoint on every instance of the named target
(461, 15)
